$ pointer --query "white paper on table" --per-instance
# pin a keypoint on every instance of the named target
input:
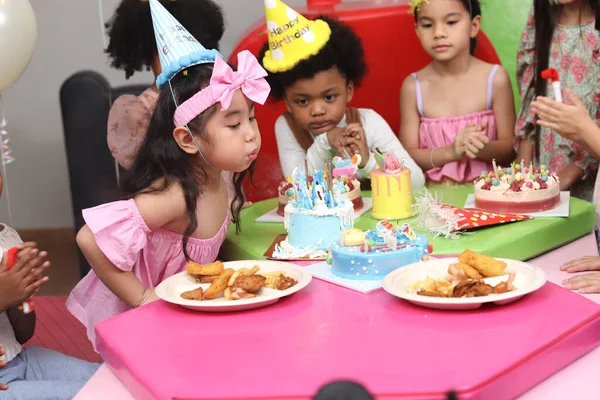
(561, 211)
(272, 215)
(322, 271)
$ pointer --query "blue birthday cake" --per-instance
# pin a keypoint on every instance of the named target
(314, 217)
(372, 254)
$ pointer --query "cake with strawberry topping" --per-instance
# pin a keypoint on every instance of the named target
(517, 189)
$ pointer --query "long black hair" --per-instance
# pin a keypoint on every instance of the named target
(474, 9)
(160, 162)
(545, 23)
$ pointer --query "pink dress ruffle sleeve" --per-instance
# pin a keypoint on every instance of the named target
(128, 122)
(130, 245)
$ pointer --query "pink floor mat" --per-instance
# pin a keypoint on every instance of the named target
(58, 330)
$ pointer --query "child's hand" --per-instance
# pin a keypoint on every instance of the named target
(24, 278)
(588, 263)
(148, 297)
(470, 141)
(357, 142)
(564, 119)
(337, 140)
(588, 283)
(2, 365)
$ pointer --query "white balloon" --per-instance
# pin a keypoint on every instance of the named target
(18, 34)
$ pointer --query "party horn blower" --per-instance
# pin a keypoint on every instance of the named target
(552, 75)
(26, 306)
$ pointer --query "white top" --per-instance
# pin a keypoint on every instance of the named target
(378, 134)
(9, 238)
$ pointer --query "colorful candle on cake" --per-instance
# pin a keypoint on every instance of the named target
(495, 168)
(551, 74)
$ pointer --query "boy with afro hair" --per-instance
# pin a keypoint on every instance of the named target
(314, 67)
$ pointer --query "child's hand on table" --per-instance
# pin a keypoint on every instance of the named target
(148, 297)
(25, 278)
(588, 283)
(2, 365)
(588, 263)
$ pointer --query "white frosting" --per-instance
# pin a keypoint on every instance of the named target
(285, 250)
(526, 194)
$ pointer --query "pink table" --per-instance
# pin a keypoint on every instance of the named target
(572, 382)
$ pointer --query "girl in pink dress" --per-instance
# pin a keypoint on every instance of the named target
(176, 204)
(457, 113)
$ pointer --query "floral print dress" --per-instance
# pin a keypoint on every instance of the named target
(574, 53)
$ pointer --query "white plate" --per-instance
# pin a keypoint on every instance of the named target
(528, 278)
(171, 288)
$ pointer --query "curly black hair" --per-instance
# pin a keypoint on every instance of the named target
(344, 50)
(132, 43)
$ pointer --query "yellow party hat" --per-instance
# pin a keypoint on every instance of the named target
(292, 37)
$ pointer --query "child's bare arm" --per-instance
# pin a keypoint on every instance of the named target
(503, 106)
(23, 324)
(410, 121)
(157, 210)
(525, 151)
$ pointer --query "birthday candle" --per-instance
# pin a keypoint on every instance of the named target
(523, 168)
(495, 168)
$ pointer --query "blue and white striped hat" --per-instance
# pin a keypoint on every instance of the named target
(177, 48)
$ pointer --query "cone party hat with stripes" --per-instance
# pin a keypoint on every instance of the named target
(177, 48)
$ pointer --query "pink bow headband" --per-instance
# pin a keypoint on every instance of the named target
(223, 84)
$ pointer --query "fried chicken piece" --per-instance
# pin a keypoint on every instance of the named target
(214, 268)
(470, 272)
(196, 294)
(248, 283)
(472, 289)
(206, 278)
(487, 266)
(285, 282)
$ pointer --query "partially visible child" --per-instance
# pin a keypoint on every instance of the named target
(562, 35)
(30, 373)
(176, 208)
(457, 113)
(573, 122)
(132, 48)
(316, 79)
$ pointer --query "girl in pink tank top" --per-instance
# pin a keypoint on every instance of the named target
(457, 113)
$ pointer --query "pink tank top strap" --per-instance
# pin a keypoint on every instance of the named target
(490, 85)
(419, 95)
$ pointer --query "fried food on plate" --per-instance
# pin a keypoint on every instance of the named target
(218, 285)
(487, 266)
(429, 285)
(285, 282)
(470, 272)
(196, 294)
(206, 278)
(195, 269)
(249, 283)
